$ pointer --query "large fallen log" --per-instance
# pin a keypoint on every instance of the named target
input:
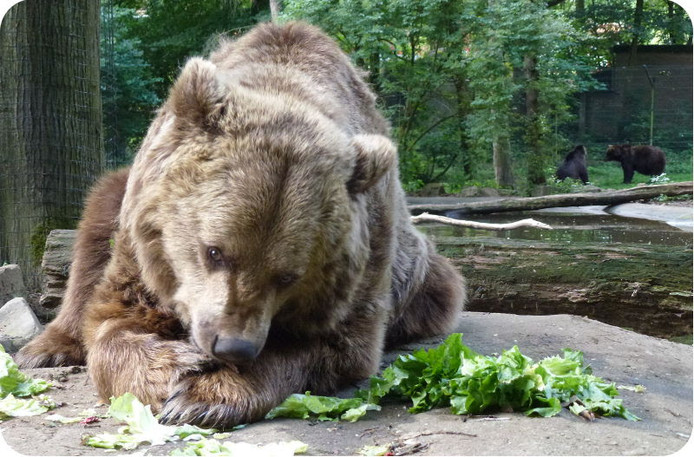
(644, 287)
(612, 197)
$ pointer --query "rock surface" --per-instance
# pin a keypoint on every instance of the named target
(18, 324)
(11, 283)
(617, 355)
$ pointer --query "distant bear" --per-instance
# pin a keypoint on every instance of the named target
(647, 160)
(263, 245)
(574, 165)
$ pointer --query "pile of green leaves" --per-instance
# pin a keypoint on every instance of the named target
(16, 388)
(453, 375)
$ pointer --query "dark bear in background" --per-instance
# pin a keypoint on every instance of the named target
(574, 165)
(647, 160)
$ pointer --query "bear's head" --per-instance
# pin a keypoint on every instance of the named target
(242, 205)
(617, 152)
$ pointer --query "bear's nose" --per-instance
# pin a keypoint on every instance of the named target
(234, 350)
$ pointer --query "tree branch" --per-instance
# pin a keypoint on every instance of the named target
(426, 217)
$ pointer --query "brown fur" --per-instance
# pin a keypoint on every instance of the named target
(61, 342)
(264, 245)
(644, 159)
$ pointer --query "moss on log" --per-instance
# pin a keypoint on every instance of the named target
(646, 288)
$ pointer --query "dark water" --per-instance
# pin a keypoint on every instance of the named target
(568, 227)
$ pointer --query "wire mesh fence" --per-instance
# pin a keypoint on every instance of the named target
(642, 105)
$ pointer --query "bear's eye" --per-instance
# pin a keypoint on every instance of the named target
(215, 255)
(286, 280)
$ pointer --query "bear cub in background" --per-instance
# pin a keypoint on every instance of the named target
(261, 242)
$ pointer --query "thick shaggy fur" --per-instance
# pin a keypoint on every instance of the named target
(647, 160)
(263, 246)
(574, 165)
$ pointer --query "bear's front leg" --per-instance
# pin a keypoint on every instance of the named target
(229, 396)
(128, 355)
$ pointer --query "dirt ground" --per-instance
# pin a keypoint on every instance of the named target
(625, 357)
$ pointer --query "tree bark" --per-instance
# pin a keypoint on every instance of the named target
(501, 158)
(636, 31)
(646, 288)
(50, 113)
(614, 197)
(275, 8)
(536, 156)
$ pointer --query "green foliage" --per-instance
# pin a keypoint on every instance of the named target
(307, 406)
(455, 376)
(448, 73)
(15, 387)
(127, 85)
(452, 75)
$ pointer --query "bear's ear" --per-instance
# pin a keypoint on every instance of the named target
(197, 97)
(375, 156)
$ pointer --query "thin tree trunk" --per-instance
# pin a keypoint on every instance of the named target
(536, 157)
(636, 33)
(275, 8)
(50, 113)
(501, 157)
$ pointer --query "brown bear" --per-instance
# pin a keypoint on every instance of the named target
(647, 160)
(263, 245)
(574, 165)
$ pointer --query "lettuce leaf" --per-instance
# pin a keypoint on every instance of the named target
(469, 383)
(13, 381)
(453, 375)
(307, 406)
(214, 447)
(142, 427)
(14, 384)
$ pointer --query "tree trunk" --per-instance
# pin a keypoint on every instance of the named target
(50, 113)
(275, 8)
(636, 31)
(536, 158)
(614, 197)
(501, 157)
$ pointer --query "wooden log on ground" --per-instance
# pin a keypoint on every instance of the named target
(612, 197)
(646, 288)
(55, 267)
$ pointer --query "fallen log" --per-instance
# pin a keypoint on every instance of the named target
(55, 267)
(644, 287)
(611, 197)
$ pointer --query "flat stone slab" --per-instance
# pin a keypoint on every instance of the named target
(617, 355)
(676, 216)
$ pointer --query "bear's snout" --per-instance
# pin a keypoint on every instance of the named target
(234, 350)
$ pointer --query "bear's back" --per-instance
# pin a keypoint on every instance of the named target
(299, 60)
